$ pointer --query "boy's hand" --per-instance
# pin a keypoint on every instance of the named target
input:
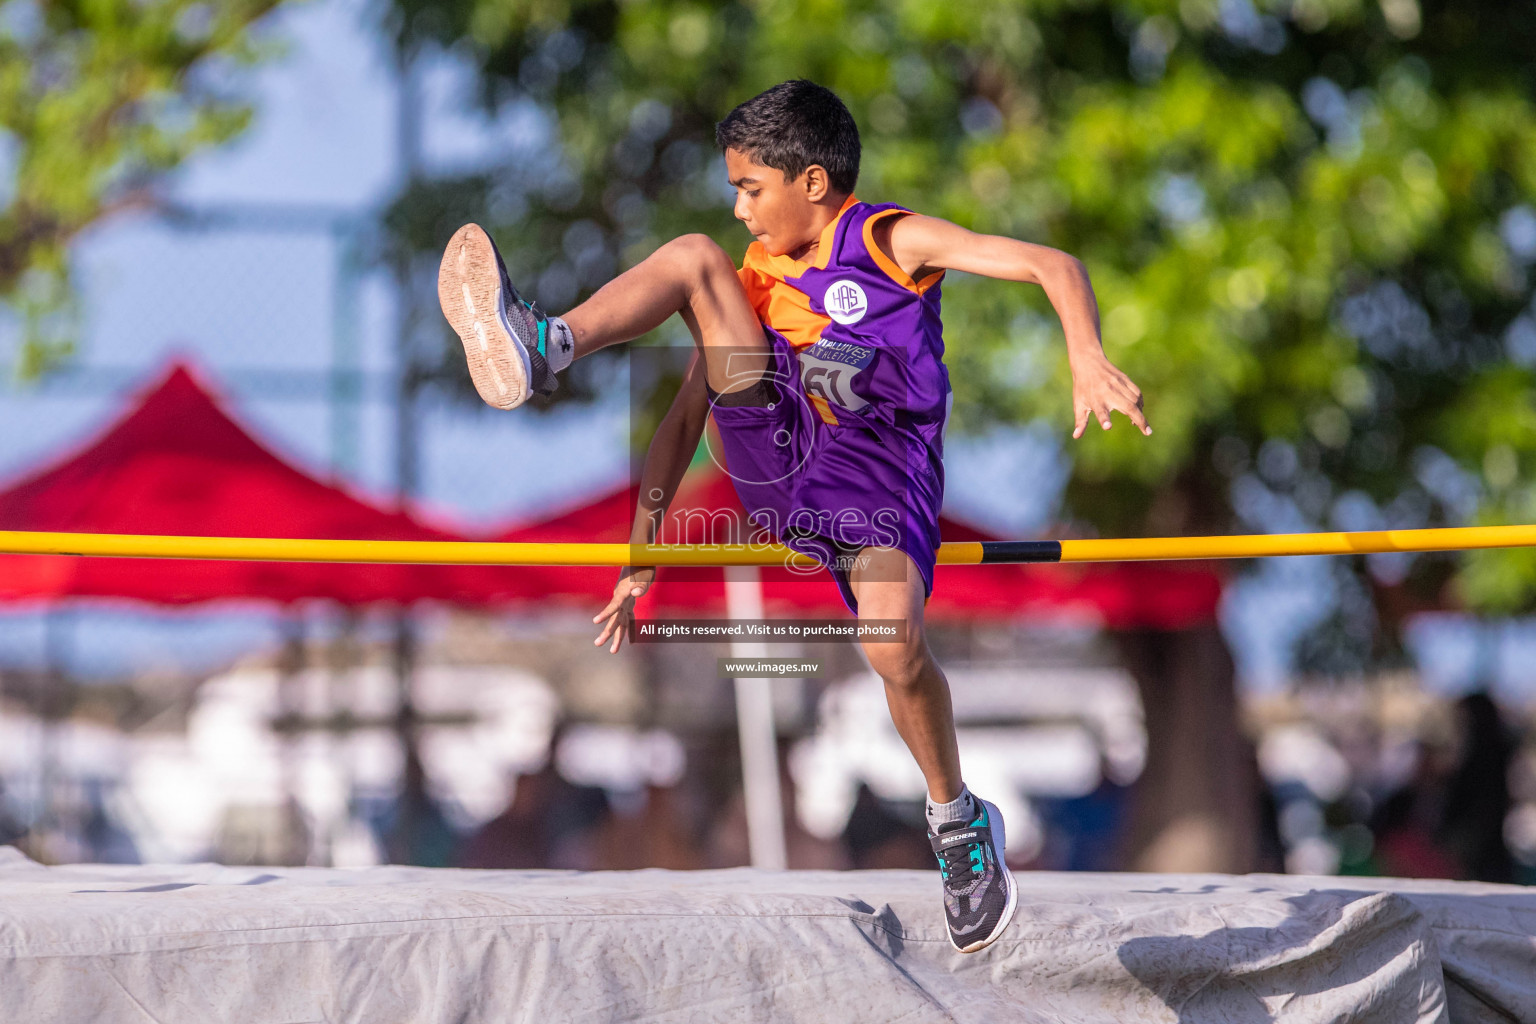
(619, 615)
(1099, 388)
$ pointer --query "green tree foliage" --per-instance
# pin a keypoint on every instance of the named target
(97, 97)
(1309, 222)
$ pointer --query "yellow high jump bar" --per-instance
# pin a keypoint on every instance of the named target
(408, 552)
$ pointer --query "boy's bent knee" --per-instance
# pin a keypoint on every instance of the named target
(699, 256)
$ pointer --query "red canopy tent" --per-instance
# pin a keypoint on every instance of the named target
(1123, 596)
(178, 463)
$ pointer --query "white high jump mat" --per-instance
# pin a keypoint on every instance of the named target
(203, 944)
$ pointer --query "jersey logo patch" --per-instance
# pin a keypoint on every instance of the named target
(845, 302)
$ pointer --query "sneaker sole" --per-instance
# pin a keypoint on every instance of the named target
(469, 290)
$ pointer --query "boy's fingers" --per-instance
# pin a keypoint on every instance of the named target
(617, 601)
(1136, 416)
(1130, 407)
(1116, 393)
(608, 628)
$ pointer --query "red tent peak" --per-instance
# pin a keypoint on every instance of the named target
(176, 462)
(183, 376)
(182, 413)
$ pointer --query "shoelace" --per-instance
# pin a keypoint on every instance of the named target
(959, 864)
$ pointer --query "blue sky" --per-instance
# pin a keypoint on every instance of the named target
(264, 299)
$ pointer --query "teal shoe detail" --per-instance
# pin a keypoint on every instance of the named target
(543, 323)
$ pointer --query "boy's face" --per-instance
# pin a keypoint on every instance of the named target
(781, 213)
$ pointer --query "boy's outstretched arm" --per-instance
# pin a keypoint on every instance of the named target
(672, 448)
(922, 245)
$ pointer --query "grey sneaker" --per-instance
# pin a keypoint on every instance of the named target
(979, 894)
(503, 334)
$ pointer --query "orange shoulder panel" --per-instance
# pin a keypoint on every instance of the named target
(891, 267)
(779, 305)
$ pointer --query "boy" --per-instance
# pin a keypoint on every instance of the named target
(821, 362)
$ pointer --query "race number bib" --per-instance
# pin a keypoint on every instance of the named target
(828, 368)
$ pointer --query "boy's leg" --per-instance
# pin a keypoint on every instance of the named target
(888, 586)
(690, 275)
(514, 350)
(966, 832)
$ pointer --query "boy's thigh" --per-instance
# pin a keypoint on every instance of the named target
(720, 314)
(744, 370)
(737, 354)
(888, 585)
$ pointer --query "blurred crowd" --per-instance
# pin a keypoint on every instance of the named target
(1390, 781)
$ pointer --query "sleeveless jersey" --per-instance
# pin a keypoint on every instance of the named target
(868, 338)
(850, 454)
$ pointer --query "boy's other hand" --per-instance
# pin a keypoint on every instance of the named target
(619, 615)
(1099, 388)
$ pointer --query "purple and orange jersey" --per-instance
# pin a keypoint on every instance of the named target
(856, 458)
(847, 306)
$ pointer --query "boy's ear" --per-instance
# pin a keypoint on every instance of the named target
(817, 184)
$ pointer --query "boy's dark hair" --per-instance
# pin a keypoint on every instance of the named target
(792, 126)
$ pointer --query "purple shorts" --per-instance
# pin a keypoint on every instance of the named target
(830, 490)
